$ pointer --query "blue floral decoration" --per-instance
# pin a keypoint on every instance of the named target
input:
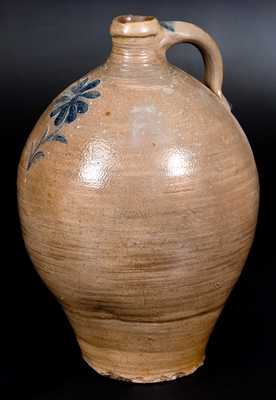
(66, 109)
(36, 153)
(69, 105)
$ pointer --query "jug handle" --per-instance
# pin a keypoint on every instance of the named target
(174, 32)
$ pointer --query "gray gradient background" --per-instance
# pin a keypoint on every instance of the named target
(44, 46)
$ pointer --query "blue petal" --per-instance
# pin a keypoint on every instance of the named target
(77, 88)
(91, 95)
(58, 109)
(82, 107)
(83, 83)
(90, 85)
(72, 115)
(61, 116)
(55, 112)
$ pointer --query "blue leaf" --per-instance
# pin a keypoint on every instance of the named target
(91, 95)
(60, 138)
(57, 138)
(37, 156)
(72, 115)
(82, 107)
(90, 85)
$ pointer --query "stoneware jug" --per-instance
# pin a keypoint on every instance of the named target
(138, 198)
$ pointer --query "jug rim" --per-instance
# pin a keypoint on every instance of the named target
(134, 26)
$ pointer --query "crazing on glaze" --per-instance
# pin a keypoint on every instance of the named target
(66, 109)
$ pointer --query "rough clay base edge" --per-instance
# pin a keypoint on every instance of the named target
(162, 378)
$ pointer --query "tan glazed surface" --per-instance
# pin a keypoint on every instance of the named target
(138, 198)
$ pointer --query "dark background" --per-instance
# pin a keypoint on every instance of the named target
(44, 46)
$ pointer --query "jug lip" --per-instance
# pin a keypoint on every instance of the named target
(134, 26)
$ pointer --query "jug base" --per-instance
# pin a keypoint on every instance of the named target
(169, 375)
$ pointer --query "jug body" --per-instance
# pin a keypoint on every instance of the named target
(138, 198)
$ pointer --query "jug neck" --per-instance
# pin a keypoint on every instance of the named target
(135, 45)
(138, 50)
